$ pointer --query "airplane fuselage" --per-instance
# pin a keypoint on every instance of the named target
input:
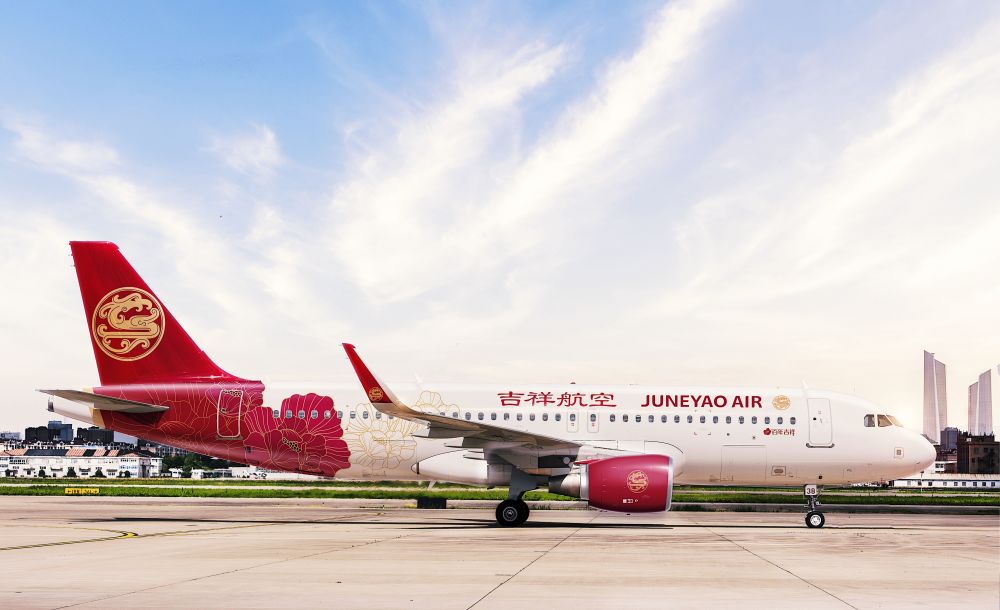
(728, 436)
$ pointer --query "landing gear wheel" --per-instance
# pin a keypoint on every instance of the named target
(511, 513)
(814, 518)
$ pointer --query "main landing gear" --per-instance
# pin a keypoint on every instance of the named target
(814, 518)
(514, 511)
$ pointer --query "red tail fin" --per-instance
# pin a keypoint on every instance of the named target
(135, 338)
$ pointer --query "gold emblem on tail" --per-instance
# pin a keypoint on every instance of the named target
(128, 324)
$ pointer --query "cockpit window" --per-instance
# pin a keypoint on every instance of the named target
(883, 421)
(895, 422)
(869, 421)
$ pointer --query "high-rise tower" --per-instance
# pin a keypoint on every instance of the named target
(981, 405)
(935, 398)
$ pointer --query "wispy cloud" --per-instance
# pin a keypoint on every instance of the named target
(453, 193)
(256, 153)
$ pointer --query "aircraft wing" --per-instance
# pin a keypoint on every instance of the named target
(474, 434)
(105, 403)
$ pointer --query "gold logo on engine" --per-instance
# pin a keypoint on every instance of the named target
(375, 394)
(637, 481)
(781, 402)
(128, 324)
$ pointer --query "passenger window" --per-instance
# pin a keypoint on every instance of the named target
(531, 417)
(302, 413)
(520, 416)
(780, 420)
(327, 414)
(364, 415)
(767, 420)
(468, 416)
(883, 421)
(572, 416)
(663, 419)
(545, 417)
(869, 421)
(690, 419)
(715, 419)
(288, 414)
(314, 414)
(677, 419)
(378, 415)
(729, 419)
(454, 414)
(558, 416)
(506, 416)
(493, 416)
(354, 414)
(625, 418)
(611, 417)
(701, 419)
(753, 420)
(277, 413)
(593, 417)
(651, 419)
(479, 416)
(741, 419)
(791, 420)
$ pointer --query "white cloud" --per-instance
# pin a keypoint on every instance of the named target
(63, 154)
(453, 195)
(257, 153)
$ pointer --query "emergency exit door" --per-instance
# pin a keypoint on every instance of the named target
(820, 423)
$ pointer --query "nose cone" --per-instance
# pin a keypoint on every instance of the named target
(925, 453)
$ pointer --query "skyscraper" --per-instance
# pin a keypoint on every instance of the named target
(935, 398)
(981, 405)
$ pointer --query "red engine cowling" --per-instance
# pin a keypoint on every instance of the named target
(629, 483)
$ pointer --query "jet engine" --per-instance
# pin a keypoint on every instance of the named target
(627, 483)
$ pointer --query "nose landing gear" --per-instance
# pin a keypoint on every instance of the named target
(814, 518)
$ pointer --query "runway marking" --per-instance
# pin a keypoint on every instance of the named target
(529, 564)
(259, 565)
(785, 570)
(121, 535)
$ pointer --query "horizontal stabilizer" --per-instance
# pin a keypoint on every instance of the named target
(105, 403)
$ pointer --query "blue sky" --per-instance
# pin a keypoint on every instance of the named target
(700, 192)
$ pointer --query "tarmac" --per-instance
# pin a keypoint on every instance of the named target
(91, 552)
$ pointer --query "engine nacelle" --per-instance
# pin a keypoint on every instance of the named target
(628, 483)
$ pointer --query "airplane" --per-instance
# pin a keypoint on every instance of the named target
(619, 448)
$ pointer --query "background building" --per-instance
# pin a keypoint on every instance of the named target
(935, 398)
(40, 434)
(8, 435)
(63, 432)
(981, 405)
(78, 461)
(978, 454)
(94, 436)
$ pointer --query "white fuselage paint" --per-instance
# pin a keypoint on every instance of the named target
(700, 427)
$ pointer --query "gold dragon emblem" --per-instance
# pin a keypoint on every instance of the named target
(128, 324)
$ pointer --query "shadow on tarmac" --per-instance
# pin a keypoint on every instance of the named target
(456, 523)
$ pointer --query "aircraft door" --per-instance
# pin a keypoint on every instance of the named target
(820, 423)
(593, 422)
(572, 422)
(230, 409)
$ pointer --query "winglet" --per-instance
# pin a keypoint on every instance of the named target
(377, 392)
